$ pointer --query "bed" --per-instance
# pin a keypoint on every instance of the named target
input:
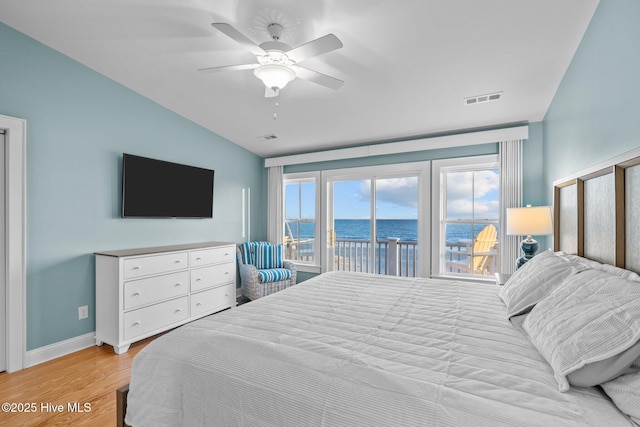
(353, 349)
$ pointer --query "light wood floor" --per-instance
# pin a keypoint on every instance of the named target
(90, 376)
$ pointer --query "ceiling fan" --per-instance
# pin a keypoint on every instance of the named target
(277, 61)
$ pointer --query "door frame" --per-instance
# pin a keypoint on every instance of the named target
(15, 191)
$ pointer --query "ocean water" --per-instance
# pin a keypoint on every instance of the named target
(404, 229)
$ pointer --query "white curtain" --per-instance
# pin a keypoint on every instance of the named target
(510, 197)
(275, 215)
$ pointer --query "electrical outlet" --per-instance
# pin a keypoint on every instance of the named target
(83, 312)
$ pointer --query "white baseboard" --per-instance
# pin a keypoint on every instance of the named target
(59, 349)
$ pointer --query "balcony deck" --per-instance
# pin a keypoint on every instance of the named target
(391, 257)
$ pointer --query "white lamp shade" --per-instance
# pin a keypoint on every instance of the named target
(529, 221)
(274, 76)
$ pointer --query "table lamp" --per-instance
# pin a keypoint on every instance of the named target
(529, 221)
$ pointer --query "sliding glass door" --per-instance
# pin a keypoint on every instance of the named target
(375, 219)
(396, 210)
(350, 226)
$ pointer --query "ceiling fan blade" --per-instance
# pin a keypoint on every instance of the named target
(315, 47)
(229, 68)
(239, 37)
(318, 78)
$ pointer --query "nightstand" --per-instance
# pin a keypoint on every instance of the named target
(501, 278)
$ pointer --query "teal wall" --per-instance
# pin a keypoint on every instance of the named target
(78, 125)
(533, 187)
(595, 114)
(533, 192)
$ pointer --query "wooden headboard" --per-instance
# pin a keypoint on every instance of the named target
(597, 212)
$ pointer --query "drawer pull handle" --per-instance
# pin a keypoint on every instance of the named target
(226, 272)
(177, 310)
(137, 294)
(135, 267)
(198, 258)
(199, 279)
(226, 294)
(178, 284)
(135, 324)
(178, 261)
(198, 304)
(226, 254)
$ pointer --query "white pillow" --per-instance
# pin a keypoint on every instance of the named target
(624, 391)
(586, 261)
(535, 280)
(591, 316)
(605, 370)
(625, 274)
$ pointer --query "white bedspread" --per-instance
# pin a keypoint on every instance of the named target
(349, 349)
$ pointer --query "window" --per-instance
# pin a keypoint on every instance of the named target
(301, 213)
(468, 206)
(412, 219)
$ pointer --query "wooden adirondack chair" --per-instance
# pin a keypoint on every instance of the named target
(480, 259)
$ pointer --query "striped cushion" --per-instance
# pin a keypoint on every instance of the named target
(274, 275)
(245, 251)
(267, 256)
(248, 251)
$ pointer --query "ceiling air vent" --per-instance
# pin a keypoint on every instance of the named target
(268, 137)
(483, 98)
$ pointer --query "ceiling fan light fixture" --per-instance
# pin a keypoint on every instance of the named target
(274, 76)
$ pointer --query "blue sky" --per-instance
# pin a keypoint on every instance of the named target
(473, 194)
(397, 198)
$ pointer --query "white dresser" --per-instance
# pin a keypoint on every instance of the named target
(142, 292)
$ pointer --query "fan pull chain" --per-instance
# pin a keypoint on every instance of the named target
(275, 109)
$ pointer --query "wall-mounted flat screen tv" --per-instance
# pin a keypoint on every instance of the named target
(158, 189)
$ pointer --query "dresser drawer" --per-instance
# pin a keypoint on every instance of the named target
(144, 320)
(146, 291)
(206, 277)
(212, 256)
(144, 266)
(213, 299)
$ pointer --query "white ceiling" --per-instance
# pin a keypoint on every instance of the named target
(407, 64)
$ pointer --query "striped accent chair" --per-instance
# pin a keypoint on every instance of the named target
(263, 269)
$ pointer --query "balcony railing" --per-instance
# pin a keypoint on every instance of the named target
(391, 257)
